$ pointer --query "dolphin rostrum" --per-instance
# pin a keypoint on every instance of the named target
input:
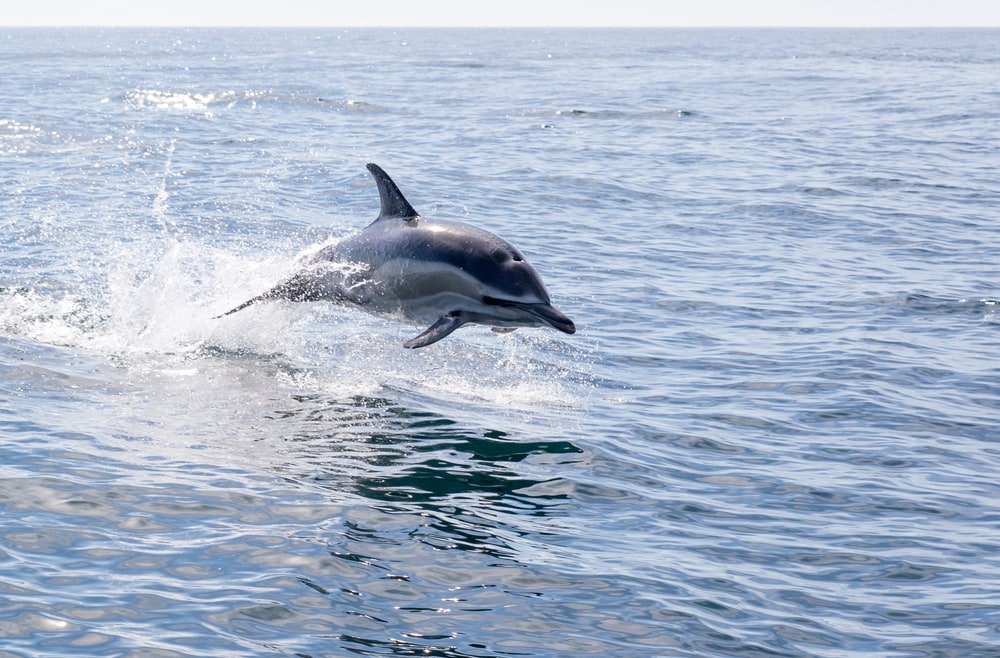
(437, 272)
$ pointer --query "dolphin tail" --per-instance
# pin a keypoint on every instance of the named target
(242, 306)
(298, 288)
(444, 326)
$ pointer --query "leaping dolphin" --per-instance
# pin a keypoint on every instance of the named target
(426, 271)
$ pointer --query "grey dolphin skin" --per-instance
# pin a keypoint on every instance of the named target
(445, 274)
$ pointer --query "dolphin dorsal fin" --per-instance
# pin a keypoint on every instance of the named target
(394, 204)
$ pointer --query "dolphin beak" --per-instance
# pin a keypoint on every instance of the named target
(551, 316)
(545, 312)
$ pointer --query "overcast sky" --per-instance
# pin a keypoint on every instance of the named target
(540, 13)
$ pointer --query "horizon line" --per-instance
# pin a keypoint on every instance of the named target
(494, 27)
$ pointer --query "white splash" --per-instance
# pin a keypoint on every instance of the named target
(156, 317)
(163, 307)
(160, 210)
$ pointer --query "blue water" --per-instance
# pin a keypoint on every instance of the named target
(776, 432)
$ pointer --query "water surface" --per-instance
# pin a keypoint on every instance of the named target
(775, 433)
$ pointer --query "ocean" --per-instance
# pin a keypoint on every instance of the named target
(776, 431)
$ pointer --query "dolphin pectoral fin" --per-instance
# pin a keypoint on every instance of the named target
(444, 326)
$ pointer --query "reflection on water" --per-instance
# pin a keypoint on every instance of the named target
(464, 484)
(398, 532)
(439, 520)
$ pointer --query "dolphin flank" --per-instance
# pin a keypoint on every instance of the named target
(429, 272)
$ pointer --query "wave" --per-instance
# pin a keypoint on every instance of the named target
(17, 138)
(183, 100)
(633, 115)
(191, 101)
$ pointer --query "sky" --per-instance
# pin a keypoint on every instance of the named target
(505, 13)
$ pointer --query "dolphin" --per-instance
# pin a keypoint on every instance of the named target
(437, 272)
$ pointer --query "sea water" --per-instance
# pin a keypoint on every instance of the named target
(776, 432)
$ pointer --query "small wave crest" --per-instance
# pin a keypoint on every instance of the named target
(17, 137)
(184, 100)
(192, 101)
